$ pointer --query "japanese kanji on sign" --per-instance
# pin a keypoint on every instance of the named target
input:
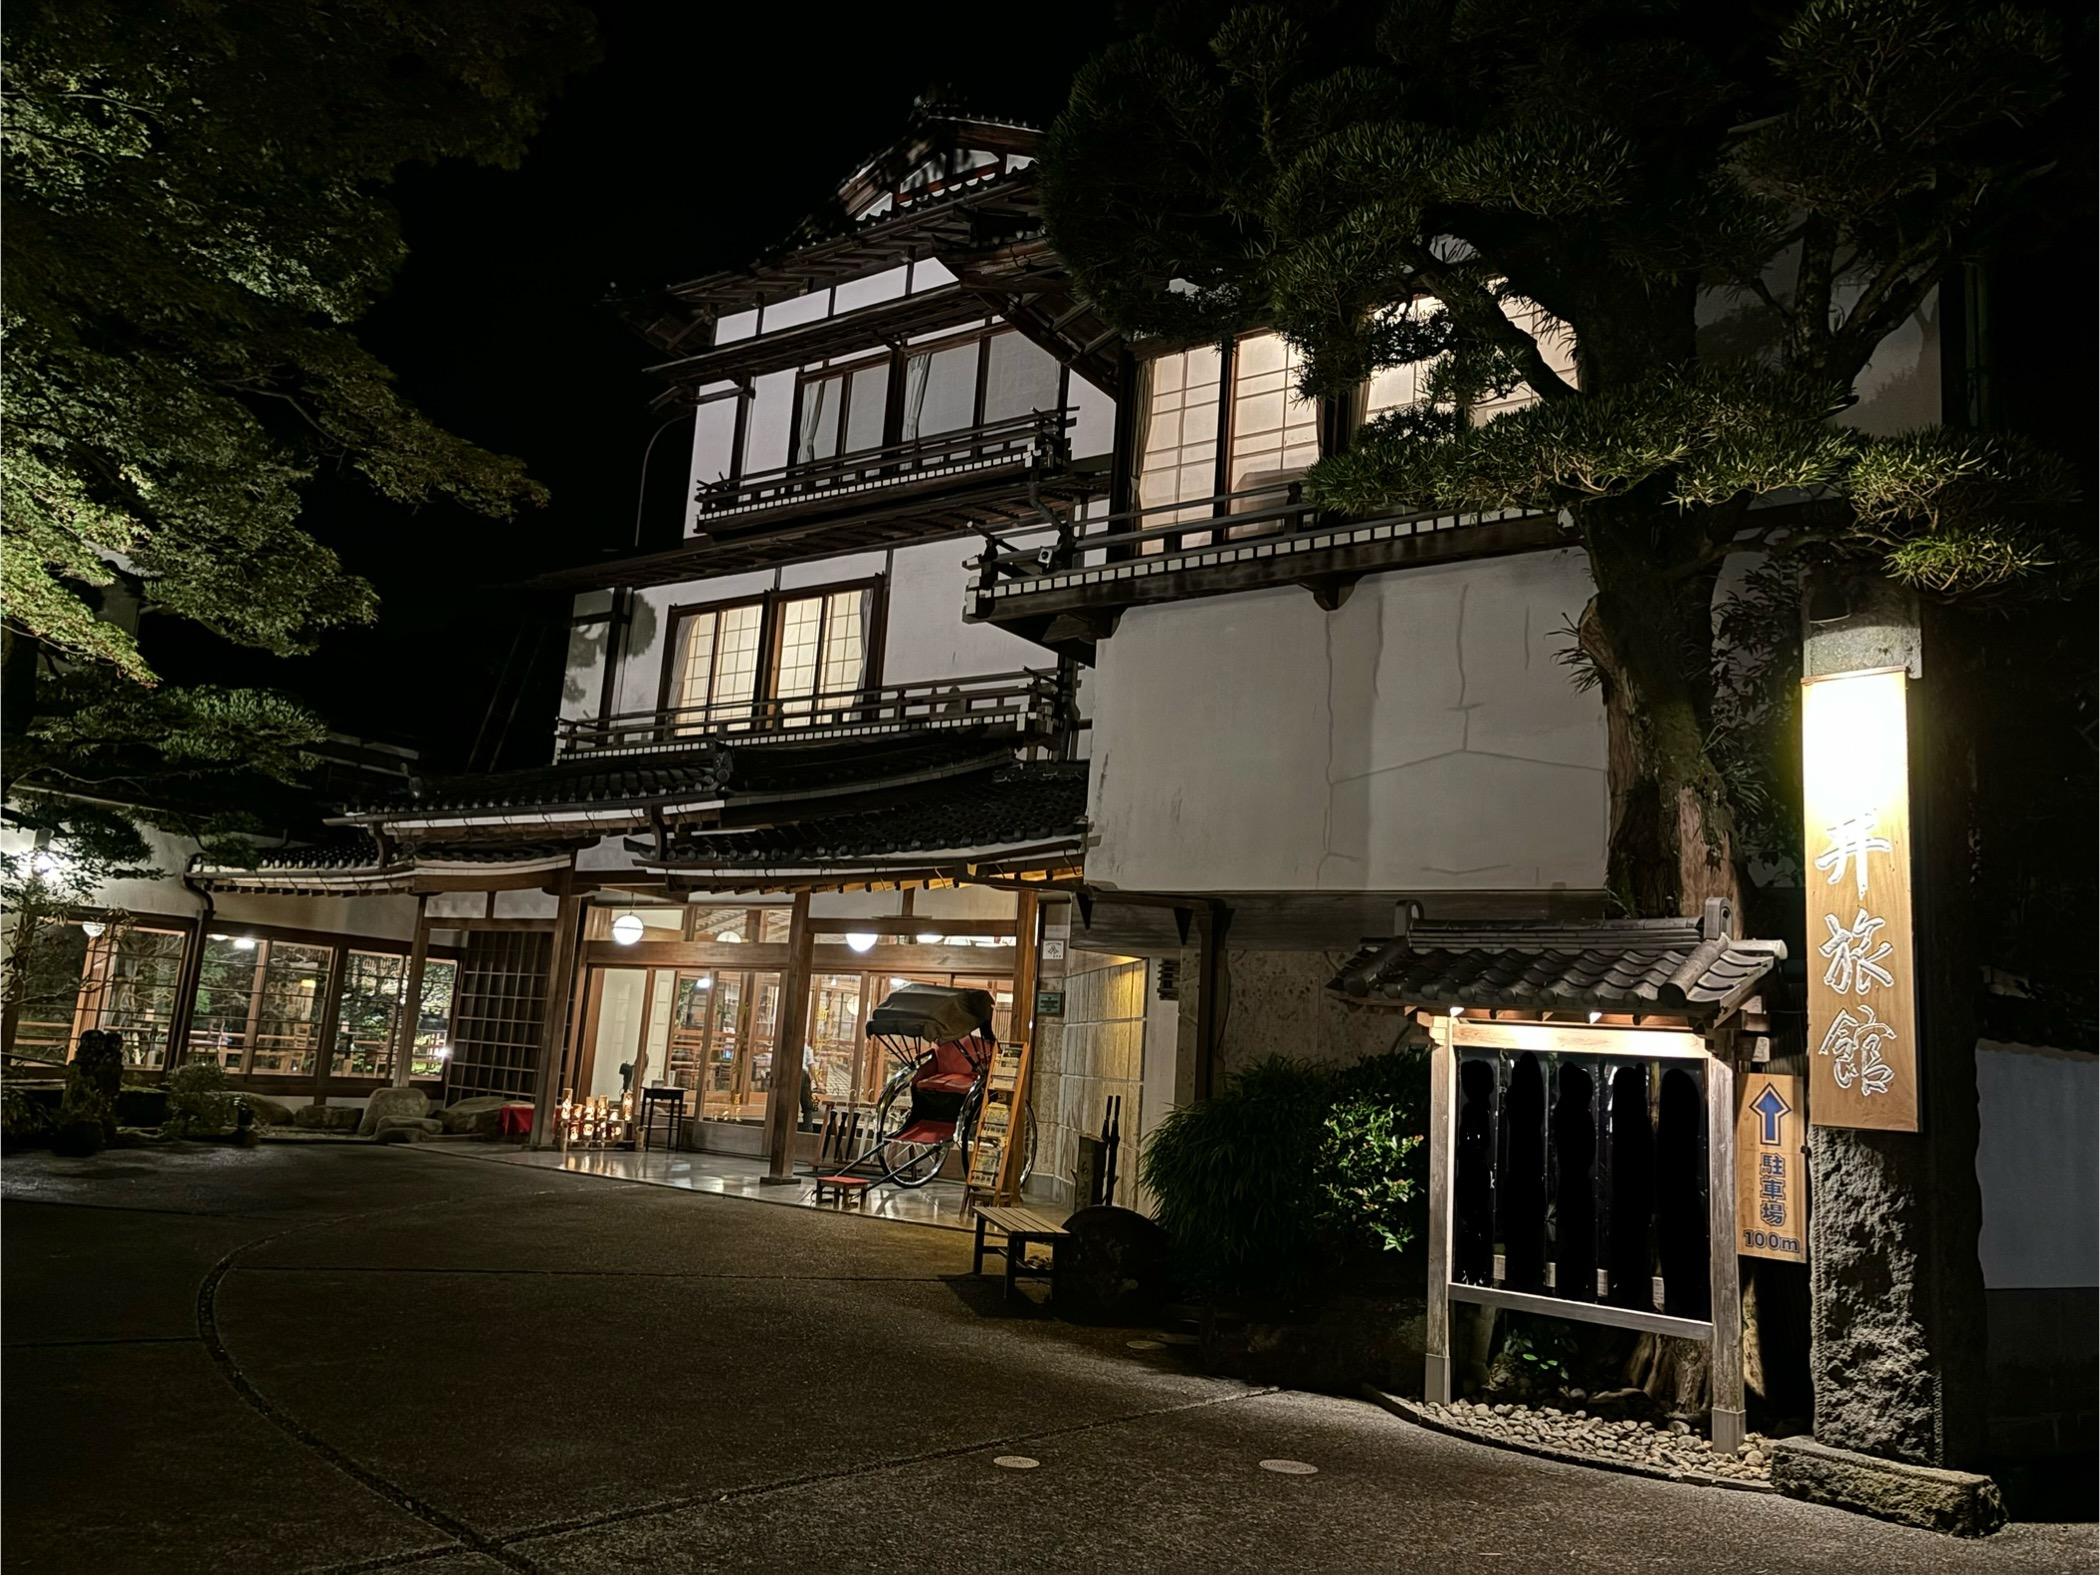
(1862, 1018)
(1770, 1169)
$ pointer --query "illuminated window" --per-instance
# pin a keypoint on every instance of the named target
(820, 646)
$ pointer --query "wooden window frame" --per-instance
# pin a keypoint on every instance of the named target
(770, 603)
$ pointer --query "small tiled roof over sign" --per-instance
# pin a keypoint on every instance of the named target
(1030, 806)
(1686, 968)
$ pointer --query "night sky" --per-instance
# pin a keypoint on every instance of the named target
(685, 150)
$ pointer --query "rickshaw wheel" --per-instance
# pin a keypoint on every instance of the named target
(923, 1167)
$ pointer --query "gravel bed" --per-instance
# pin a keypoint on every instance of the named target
(1671, 1450)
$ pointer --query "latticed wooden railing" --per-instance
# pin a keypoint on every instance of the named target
(1038, 437)
(1028, 700)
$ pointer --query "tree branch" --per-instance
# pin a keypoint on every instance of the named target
(1477, 308)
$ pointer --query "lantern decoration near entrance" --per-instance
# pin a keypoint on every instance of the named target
(595, 1121)
(627, 929)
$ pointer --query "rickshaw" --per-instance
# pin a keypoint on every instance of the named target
(941, 1039)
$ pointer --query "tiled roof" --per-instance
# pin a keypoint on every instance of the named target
(1025, 805)
(596, 790)
(353, 863)
(1618, 966)
(585, 784)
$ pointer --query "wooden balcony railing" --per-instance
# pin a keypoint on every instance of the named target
(1138, 554)
(1038, 438)
(1028, 700)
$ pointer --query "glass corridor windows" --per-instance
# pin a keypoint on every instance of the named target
(368, 1016)
(258, 1008)
(124, 978)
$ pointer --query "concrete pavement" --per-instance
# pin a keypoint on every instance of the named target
(391, 1359)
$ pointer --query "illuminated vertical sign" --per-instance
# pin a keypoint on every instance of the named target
(1770, 1185)
(1862, 1001)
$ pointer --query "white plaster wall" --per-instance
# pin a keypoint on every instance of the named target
(1421, 738)
(2038, 1162)
(926, 637)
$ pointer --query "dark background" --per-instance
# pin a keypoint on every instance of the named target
(699, 140)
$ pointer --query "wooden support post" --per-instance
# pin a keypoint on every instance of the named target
(554, 1023)
(331, 1015)
(189, 981)
(1724, 1283)
(784, 1098)
(1436, 1345)
(411, 995)
(1027, 954)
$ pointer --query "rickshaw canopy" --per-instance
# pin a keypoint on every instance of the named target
(933, 1012)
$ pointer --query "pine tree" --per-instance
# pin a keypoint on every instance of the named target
(1729, 208)
(196, 216)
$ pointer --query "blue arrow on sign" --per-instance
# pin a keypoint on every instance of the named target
(1770, 1107)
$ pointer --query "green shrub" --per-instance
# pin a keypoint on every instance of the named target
(23, 1121)
(1293, 1169)
(1374, 1154)
(1236, 1178)
(198, 1099)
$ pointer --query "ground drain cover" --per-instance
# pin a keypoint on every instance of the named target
(1016, 1463)
(1289, 1468)
(1146, 1346)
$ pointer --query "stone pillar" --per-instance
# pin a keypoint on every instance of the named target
(1897, 1316)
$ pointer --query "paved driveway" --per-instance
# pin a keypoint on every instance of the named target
(384, 1359)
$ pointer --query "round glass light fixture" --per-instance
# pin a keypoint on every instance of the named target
(704, 982)
(729, 936)
(627, 929)
(91, 928)
(244, 943)
(928, 938)
(861, 940)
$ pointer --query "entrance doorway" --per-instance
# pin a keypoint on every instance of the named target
(713, 1032)
(707, 1031)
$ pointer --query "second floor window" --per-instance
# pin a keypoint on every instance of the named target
(782, 658)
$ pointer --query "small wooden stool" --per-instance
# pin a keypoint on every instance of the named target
(841, 1188)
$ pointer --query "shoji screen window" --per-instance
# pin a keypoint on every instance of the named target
(718, 667)
(1178, 449)
(823, 654)
(1275, 433)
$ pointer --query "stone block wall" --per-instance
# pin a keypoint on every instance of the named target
(1278, 1004)
(1094, 1050)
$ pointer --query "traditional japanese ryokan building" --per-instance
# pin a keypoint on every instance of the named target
(998, 651)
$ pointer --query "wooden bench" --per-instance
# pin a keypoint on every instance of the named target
(1019, 1227)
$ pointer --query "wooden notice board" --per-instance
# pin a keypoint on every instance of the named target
(996, 1129)
(1862, 991)
(1771, 1158)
